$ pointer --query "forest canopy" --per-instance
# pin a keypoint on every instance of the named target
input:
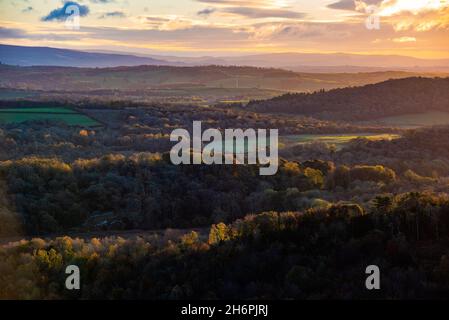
(370, 102)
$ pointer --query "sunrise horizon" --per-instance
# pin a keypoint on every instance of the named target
(229, 27)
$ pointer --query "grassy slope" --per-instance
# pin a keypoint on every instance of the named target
(338, 139)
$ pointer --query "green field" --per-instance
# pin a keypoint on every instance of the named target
(67, 115)
(338, 139)
(39, 110)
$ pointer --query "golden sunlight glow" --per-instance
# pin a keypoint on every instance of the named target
(280, 3)
(392, 7)
(405, 39)
(416, 28)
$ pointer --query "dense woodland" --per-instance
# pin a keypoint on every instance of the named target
(374, 101)
(317, 254)
(119, 191)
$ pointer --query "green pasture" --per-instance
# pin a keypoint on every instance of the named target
(337, 139)
(67, 115)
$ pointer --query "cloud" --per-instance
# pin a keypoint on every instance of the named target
(342, 5)
(352, 5)
(13, 33)
(404, 39)
(113, 14)
(191, 36)
(64, 12)
(257, 13)
(425, 21)
(238, 2)
(156, 19)
(403, 15)
(299, 31)
(27, 9)
(168, 22)
(206, 12)
(390, 7)
(10, 33)
(102, 1)
(252, 9)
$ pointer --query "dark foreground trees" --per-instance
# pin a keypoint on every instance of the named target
(317, 254)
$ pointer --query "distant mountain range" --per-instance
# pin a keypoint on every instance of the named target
(300, 62)
(339, 61)
(42, 56)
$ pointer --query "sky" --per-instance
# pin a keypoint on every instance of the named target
(418, 28)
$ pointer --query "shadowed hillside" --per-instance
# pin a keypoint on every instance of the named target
(389, 98)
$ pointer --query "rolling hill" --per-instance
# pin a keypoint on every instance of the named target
(370, 102)
(170, 77)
